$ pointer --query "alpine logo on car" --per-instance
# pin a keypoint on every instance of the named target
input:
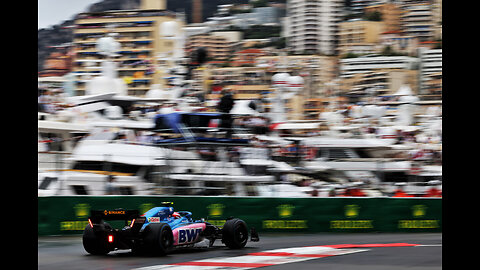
(188, 235)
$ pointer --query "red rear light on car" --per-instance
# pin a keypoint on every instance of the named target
(90, 222)
(131, 224)
(110, 238)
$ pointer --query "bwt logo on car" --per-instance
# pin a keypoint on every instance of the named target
(188, 235)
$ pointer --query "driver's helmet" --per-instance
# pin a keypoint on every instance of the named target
(176, 215)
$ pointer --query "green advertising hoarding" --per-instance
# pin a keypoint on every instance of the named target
(68, 214)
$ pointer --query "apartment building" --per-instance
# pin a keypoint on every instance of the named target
(437, 18)
(311, 26)
(380, 82)
(399, 43)
(139, 34)
(219, 45)
(313, 107)
(352, 66)
(318, 73)
(247, 57)
(246, 83)
(430, 73)
(391, 15)
(258, 16)
(197, 11)
(418, 20)
(359, 36)
(357, 7)
(382, 75)
(316, 70)
(254, 83)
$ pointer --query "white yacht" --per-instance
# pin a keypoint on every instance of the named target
(199, 163)
(141, 169)
(359, 159)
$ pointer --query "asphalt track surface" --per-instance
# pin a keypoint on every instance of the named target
(66, 252)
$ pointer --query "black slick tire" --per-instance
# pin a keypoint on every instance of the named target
(157, 239)
(235, 233)
(94, 243)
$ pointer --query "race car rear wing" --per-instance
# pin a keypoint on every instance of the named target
(118, 214)
(132, 218)
(96, 217)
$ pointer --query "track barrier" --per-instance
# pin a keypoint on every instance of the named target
(63, 215)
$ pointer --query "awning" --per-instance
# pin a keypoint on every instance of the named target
(56, 126)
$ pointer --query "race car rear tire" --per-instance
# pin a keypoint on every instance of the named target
(157, 239)
(94, 243)
(235, 233)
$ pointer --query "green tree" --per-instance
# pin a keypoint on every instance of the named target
(260, 3)
(373, 16)
(388, 51)
(350, 55)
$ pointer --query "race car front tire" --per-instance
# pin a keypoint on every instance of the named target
(94, 243)
(235, 233)
(157, 239)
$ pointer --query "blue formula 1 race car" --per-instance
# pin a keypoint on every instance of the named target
(158, 231)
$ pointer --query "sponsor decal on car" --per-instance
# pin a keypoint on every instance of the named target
(154, 220)
(114, 212)
(188, 235)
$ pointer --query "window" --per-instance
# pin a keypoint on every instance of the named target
(125, 190)
(79, 189)
(101, 136)
(46, 182)
(393, 176)
(101, 166)
(337, 154)
(362, 153)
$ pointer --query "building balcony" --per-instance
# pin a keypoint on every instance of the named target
(247, 96)
(117, 30)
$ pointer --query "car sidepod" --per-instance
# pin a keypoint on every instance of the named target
(188, 234)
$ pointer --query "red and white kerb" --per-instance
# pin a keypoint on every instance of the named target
(273, 257)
